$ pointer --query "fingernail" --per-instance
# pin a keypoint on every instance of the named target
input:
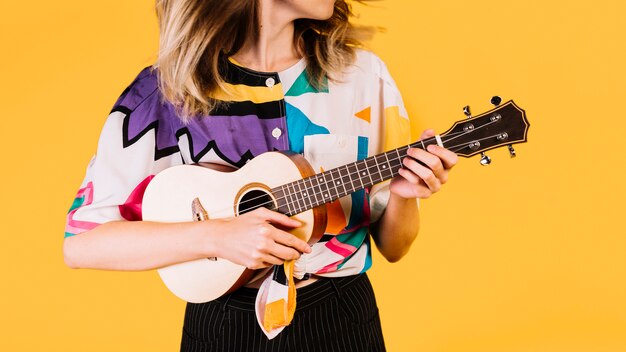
(431, 148)
(308, 249)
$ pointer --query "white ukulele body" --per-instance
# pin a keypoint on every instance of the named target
(169, 198)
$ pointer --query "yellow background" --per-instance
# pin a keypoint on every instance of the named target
(524, 255)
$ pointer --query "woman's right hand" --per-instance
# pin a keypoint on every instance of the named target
(252, 239)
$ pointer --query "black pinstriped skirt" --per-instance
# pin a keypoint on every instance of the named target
(337, 314)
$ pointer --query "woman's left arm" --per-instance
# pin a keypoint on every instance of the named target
(422, 174)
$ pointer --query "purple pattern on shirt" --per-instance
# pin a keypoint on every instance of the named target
(236, 139)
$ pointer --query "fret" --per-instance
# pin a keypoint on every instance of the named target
(298, 194)
(336, 182)
(372, 167)
(309, 192)
(394, 162)
(356, 181)
(364, 172)
(433, 141)
(380, 173)
(329, 195)
(339, 182)
(324, 188)
(402, 153)
(308, 189)
(316, 190)
(347, 180)
(287, 197)
(279, 195)
(383, 166)
(292, 198)
(303, 194)
(340, 177)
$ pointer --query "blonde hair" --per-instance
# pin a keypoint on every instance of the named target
(196, 35)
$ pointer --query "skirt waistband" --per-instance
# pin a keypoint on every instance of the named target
(307, 296)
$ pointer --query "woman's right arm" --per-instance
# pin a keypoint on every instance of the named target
(103, 229)
(250, 240)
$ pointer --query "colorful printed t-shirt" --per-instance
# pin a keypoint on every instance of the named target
(359, 115)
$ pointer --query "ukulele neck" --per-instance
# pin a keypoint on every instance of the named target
(307, 193)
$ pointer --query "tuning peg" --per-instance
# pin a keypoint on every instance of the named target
(511, 151)
(496, 100)
(467, 112)
(484, 159)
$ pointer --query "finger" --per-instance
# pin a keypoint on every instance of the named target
(278, 218)
(272, 260)
(289, 240)
(424, 191)
(409, 176)
(426, 174)
(284, 252)
(262, 259)
(427, 133)
(266, 262)
(448, 158)
(429, 160)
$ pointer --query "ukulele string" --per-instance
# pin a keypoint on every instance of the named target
(290, 204)
(297, 208)
(465, 145)
(472, 130)
(293, 204)
(428, 140)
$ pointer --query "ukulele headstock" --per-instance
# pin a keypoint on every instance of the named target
(506, 124)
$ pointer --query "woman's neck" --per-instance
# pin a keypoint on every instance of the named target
(274, 50)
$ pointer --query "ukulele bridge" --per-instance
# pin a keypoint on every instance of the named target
(200, 214)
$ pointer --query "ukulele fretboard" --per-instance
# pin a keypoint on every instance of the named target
(301, 195)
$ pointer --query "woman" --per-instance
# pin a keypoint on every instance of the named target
(235, 79)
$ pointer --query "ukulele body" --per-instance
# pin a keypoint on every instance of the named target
(170, 197)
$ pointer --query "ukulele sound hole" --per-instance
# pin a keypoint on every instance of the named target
(254, 199)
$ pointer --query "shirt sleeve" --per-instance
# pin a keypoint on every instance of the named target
(127, 158)
(391, 130)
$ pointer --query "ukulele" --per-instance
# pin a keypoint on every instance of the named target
(285, 182)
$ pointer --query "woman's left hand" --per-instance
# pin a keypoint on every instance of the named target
(418, 181)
